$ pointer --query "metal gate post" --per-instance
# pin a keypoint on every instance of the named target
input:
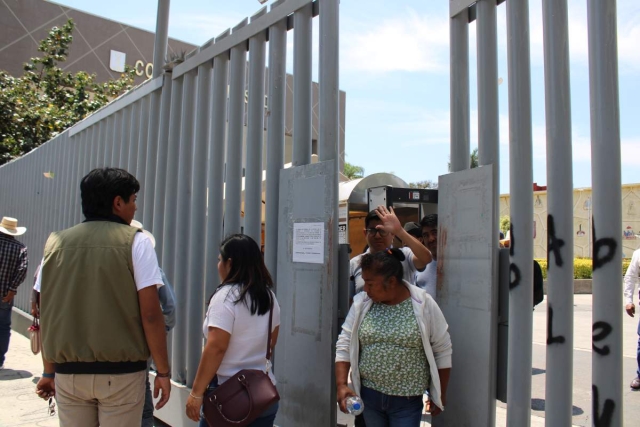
(521, 248)
(235, 139)
(558, 396)
(607, 213)
(275, 138)
(255, 135)
(459, 119)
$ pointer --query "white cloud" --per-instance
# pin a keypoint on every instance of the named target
(411, 42)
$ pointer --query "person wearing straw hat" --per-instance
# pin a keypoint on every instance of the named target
(100, 312)
(13, 270)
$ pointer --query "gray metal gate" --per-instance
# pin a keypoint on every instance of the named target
(181, 134)
(607, 223)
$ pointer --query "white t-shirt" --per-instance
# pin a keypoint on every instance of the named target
(145, 264)
(428, 278)
(248, 343)
(408, 267)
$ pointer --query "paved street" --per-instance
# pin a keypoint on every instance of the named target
(19, 406)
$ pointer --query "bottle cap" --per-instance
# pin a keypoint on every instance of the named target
(356, 406)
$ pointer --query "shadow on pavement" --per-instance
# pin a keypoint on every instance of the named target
(10, 374)
(538, 405)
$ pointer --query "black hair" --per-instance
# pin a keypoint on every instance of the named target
(100, 186)
(387, 263)
(248, 272)
(371, 216)
(429, 221)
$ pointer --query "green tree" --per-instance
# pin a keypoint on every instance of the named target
(46, 100)
(353, 171)
(473, 160)
(505, 223)
(424, 184)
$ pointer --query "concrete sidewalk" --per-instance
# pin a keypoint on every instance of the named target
(19, 404)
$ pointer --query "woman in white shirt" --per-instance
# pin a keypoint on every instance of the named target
(237, 323)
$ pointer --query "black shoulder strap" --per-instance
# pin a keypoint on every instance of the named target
(268, 356)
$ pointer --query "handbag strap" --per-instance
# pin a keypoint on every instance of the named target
(268, 356)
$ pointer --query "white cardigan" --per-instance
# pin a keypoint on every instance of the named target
(433, 328)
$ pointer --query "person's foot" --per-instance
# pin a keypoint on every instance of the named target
(635, 384)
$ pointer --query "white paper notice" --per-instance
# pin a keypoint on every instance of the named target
(308, 242)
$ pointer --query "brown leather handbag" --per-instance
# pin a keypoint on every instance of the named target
(244, 396)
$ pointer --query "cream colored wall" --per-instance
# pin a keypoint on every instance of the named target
(581, 226)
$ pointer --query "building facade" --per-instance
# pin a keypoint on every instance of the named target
(582, 211)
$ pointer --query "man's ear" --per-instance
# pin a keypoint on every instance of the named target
(117, 204)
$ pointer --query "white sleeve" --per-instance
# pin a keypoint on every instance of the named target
(38, 285)
(145, 263)
(221, 312)
(408, 255)
(631, 277)
(276, 314)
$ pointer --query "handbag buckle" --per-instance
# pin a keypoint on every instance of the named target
(241, 378)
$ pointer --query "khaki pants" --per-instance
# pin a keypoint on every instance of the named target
(87, 400)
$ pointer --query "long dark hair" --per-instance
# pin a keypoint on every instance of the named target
(248, 272)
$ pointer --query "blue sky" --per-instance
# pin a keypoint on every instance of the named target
(395, 71)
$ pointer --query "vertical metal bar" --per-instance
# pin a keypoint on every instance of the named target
(302, 65)
(167, 246)
(329, 137)
(488, 121)
(215, 172)
(108, 141)
(161, 169)
(255, 135)
(134, 131)
(171, 190)
(558, 398)
(66, 174)
(162, 37)
(198, 219)
(521, 181)
(152, 156)
(607, 213)
(182, 226)
(275, 139)
(459, 92)
(329, 98)
(233, 173)
(126, 138)
(116, 139)
(142, 152)
(93, 143)
(102, 137)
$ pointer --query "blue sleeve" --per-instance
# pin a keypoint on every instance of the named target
(167, 302)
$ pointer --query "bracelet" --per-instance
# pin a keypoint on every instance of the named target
(163, 375)
(45, 375)
(195, 397)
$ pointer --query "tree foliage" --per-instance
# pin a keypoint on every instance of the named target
(424, 184)
(353, 171)
(46, 100)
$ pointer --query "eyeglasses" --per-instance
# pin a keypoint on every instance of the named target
(372, 232)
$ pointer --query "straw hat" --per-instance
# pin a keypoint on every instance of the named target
(138, 224)
(10, 226)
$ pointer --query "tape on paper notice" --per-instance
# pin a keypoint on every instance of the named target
(308, 242)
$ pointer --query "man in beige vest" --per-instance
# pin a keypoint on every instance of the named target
(100, 312)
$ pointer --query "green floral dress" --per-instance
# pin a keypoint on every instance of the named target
(392, 358)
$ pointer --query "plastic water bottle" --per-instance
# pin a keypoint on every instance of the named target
(354, 405)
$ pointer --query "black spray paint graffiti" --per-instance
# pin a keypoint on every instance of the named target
(514, 272)
(605, 242)
(554, 244)
(604, 419)
(550, 338)
(604, 330)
